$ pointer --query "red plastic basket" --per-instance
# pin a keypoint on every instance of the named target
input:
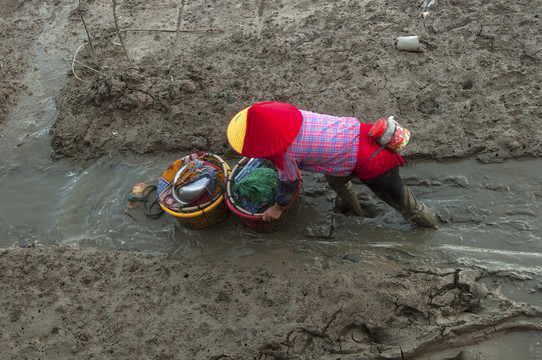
(254, 220)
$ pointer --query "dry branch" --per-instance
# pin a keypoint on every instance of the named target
(88, 34)
(473, 332)
(115, 17)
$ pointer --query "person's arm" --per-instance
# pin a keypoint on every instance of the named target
(285, 195)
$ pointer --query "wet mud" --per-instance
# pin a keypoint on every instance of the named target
(90, 303)
(472, 90)
(332, 286)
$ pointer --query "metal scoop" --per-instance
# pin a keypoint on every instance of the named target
(189, 193)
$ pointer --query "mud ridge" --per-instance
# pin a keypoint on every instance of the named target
(173, 307)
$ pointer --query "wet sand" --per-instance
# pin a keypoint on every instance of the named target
(62, 303)
(473, 90)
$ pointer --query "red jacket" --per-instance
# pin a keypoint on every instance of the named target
(384, 160)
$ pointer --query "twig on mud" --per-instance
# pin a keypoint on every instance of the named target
(88, 34)
(175, 39)
(74, 60)
(471, 332)
(333, 317)
(115, 17)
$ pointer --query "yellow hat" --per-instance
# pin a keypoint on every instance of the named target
(237, 130)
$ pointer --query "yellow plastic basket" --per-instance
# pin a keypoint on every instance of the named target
(210, 214)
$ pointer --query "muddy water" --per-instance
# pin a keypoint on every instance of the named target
(492, 213)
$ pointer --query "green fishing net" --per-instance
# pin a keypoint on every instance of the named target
(259, 186)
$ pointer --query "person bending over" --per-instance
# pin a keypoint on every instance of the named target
(338, 147)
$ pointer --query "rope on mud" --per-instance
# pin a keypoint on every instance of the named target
(164, 30)
(80, 63)
(147, 191)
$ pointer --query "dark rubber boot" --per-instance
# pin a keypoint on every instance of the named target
(348, 194)
(345, 190)
(417, 212)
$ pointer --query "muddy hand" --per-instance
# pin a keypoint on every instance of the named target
(273, 213)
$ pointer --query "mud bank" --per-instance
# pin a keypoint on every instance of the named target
(473, 89)
(63, 302)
